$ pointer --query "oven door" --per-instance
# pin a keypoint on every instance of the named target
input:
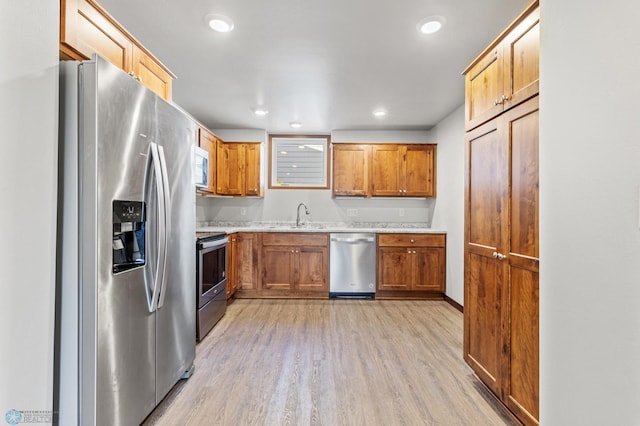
(211, 269)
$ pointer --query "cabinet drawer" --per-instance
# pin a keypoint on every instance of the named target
(297, 239)
(411, 240)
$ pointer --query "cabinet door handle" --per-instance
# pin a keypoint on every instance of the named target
(499, 256)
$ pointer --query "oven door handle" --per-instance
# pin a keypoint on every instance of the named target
(215, 243)
(166, 206)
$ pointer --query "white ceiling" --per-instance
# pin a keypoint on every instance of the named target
(326, 63)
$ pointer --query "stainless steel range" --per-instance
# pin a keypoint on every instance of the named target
(211, 280)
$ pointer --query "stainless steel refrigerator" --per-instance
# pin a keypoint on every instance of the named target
(126, 277)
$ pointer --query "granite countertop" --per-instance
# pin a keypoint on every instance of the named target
(382, 227)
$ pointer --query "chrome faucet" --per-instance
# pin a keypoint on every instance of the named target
(306, 210)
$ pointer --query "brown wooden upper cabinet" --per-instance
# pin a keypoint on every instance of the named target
(384, 170)
(351, 170)
(403, 170)
(86, 28)
(238, 168)
(208, 142)
(506, 73)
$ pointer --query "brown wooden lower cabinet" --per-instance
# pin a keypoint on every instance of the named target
(232, 266)
(287, 265)
(295, 265)
(247, 261)
(411, 265)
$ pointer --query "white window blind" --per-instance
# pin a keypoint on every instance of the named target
(299, 162)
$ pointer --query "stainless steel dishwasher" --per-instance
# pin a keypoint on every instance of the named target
(352, 262)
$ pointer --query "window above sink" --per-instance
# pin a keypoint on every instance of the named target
(299, 161)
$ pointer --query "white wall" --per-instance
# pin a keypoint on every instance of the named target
(449, 207)
(280, 205)
(29, 123)
(589, 231)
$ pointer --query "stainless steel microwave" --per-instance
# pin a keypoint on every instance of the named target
(201, 167)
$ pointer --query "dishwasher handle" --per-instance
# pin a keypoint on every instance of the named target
(353, 240)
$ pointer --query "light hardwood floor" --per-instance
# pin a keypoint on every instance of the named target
(331, 362)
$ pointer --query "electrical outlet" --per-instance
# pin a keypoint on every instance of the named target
(352, 212)
(401, 212)
(243, 211)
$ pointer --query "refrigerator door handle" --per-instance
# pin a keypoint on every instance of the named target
(158, 275)
(167, 223)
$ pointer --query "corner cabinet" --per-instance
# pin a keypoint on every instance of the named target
(86, 28)
(501, 256)
(384, 170)
(238, 168)
(411, 265)
(232, 265)
(247, 261)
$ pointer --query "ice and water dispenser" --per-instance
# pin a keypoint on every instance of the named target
(128, 235)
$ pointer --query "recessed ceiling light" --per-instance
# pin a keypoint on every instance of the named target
(261, 111)
(379, 113)
(431, 24)
(219, 23)
(295, 124)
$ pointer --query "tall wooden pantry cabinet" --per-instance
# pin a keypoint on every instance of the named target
(501, 259)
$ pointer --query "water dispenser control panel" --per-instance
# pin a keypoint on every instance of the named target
(129, 220)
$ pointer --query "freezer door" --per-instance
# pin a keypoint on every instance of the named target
(118, 327)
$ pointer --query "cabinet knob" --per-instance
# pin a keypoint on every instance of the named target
(413, 241)
(500, 101)
(499, 256)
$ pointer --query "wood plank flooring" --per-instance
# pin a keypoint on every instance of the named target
(331, 362)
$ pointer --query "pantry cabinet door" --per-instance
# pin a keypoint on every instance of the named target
(520, 127)
(486, 216)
